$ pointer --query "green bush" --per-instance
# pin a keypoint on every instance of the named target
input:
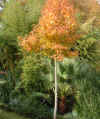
(34, 73)
(31, 106)
(87, 85)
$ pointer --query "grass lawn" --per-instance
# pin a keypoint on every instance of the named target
(10, 115)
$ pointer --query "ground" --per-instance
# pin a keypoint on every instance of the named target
(10, 115)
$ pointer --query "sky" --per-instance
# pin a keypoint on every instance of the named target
(98, 1)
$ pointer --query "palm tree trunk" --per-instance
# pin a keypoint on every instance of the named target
(56, 99)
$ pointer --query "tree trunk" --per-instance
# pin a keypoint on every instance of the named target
(62, 105)
(56, 99)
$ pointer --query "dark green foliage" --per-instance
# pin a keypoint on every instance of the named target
(6, 87)
(32, 106)
(87, 85)
(8, 52)
(88, 100)
(88, 48)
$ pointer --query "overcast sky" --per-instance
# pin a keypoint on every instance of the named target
(98, 1)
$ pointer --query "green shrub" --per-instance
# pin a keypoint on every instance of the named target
(31, 106)
(87, 85)
(34, 73)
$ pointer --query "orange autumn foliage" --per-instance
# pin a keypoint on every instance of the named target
(55, 33)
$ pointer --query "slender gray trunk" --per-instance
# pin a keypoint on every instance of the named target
(50, 70)
(56, 99)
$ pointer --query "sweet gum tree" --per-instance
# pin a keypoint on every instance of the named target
(55, 34)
